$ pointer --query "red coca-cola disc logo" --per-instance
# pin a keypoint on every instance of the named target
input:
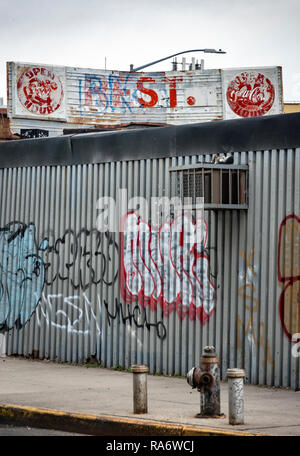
(250, 94)
(40, 90)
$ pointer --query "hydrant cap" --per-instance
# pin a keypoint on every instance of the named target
(190, 377)
(209, 352)
(235, 373)
(139, 369)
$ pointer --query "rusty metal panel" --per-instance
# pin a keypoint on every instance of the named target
(5, 133)
(72, 293)
(53, 98)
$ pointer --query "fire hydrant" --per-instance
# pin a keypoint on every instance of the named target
(206, 379)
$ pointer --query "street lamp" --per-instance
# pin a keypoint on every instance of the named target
(210, 51)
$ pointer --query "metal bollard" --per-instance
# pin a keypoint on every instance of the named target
(140, 402)
(206, 379)
(236, 395)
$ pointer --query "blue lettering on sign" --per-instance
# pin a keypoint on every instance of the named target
(95, 93)
(122, 91)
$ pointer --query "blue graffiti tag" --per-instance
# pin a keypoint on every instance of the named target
(22, 274)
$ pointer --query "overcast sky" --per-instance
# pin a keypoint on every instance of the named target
(83, 32)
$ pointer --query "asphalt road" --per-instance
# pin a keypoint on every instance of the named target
(8, 430)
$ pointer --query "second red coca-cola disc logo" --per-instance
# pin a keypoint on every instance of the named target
(250, 94)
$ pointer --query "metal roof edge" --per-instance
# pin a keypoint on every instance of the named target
(280, 131)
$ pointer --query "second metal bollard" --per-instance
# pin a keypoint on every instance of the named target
(236, 395)
(140, 400)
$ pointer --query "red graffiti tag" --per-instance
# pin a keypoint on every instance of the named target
(40, 90)
(289, 274)
(167, 267)
(250, 94)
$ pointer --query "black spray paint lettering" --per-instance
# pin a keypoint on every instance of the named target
(27, 265)
(134, 317)
(90, 254)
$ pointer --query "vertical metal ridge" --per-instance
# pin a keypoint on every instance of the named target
(264, 290)
(279, 338)
(295, 369)
(289, 209)
(273, 242)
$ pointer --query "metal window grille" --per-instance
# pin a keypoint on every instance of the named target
(221, 186)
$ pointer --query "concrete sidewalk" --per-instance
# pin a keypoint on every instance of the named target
(99, 401)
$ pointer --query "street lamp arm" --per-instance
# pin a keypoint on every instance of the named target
(212, 51)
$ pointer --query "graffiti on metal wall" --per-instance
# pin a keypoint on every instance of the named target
(289, 274)
(135, 316)
(160, 267)
(84, 258)
(250, 94)
(27, 266)
(116, 93)
(248, 292)
(22, 274)
(70, 313)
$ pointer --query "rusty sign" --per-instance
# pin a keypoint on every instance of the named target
(251, 92)
(55, 98)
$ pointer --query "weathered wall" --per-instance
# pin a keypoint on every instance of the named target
(291, 107)
(69, 291)
(50, 98)
(5, 133)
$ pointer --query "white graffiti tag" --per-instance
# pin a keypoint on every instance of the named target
(167, 266)
(78, 313)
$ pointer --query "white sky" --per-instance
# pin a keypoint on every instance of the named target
(83, 32)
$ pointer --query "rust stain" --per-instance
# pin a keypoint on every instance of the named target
(83, 120)
(5, 132)
(111, 125)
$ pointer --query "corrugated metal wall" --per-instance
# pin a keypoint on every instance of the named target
(64, 285)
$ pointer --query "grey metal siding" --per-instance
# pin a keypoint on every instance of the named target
(81, 312)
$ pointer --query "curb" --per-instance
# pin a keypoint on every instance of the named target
(103, 425)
